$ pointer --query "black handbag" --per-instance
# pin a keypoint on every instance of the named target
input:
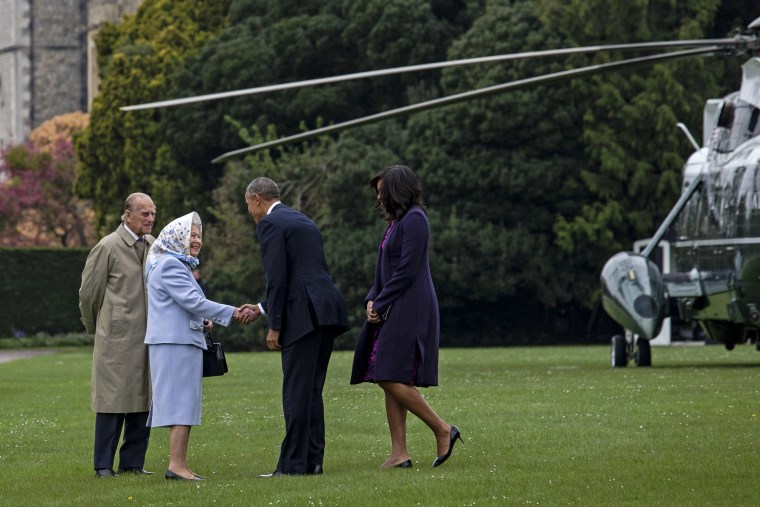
(214, 362)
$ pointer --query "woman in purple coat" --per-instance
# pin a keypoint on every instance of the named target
(398, 345)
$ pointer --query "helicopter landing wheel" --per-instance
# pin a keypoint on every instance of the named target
(643, 352)
(619, 351)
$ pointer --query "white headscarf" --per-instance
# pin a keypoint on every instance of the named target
(174, 240)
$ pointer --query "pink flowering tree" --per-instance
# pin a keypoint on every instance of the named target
(37, 204)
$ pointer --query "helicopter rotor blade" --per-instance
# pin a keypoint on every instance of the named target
(432, 66)
(482, 92)
(679, 206)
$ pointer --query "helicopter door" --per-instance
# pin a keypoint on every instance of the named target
(661, 257)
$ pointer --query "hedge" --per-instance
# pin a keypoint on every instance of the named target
(39, 290)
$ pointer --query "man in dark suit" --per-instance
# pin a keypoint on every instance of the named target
(306, 312)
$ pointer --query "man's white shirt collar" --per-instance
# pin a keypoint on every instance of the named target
(272, 206)
(130, 231)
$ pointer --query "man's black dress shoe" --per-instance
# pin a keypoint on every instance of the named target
(135, 470)
(176, 477)
(404, 464)
(276, 473)
(452, 440)
(314, 470)
(105, 472)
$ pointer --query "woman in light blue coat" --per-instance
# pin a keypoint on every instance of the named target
(178, 315)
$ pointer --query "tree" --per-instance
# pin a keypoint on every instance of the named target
(634, 154)
(497, 172)
(266, 44)
(37, 203)
(121, 153)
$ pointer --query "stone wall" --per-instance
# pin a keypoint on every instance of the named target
(15, 71)
(59, 58)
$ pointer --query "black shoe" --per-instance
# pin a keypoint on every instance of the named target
(105, 472)
(276, 473)
(135, 470)
(440, 460)
(404, 464)
(314, 470)
(176, 477)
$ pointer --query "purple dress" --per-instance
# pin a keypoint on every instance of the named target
(404, 347)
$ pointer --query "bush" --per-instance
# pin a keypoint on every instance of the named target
(40, 290)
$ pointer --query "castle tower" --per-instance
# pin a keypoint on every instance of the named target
(47, 59)
(15, 71)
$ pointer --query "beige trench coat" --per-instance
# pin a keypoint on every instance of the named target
(113, 303)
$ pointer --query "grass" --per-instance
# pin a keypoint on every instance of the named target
(542, 426)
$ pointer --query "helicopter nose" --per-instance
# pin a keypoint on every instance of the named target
(633, 293)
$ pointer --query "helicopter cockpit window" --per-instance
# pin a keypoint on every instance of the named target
(744, 123)
(753, 129)
(737, 122)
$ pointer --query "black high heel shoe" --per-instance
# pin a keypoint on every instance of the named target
(404, 464)
(455, 433)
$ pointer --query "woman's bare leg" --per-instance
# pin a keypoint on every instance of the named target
(412, 400)
(178, 439)
(396, 414)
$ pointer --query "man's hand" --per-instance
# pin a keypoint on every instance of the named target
(252, 310)
(273, 339)
(245, 314)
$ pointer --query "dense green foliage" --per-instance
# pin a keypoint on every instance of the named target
(633, 154)
(545, 426)
(123, 153)
(528, 192)
(39, 290)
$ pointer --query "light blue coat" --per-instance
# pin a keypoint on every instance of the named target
(177, 307)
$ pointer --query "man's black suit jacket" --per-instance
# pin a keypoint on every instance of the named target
(301, 293)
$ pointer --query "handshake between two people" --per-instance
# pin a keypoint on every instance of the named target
(246, 313)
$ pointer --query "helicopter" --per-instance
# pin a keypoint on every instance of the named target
(716, 219)
(716, 222)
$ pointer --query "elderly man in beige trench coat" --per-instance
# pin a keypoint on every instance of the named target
(113, 303)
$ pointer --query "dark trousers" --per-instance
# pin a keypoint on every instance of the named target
(134, 446)
(304, 370)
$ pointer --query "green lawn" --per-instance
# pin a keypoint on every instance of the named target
(542, 426)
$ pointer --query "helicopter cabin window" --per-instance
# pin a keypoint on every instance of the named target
(752, 204)
(721, 136)
(694, 222)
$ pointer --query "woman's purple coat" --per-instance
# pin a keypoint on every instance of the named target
(403, 293)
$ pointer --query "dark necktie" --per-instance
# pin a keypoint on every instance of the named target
(140, 247)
